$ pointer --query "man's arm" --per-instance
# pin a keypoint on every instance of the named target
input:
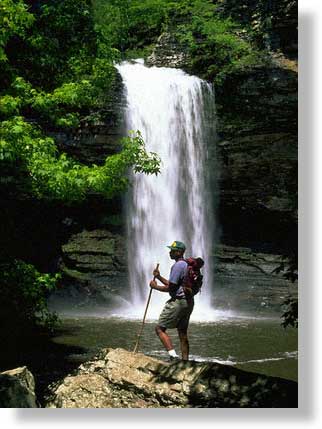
(157, 275)
(168, 286)
(154, 285)
(171, 288)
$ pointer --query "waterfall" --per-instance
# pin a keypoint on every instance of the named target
(175, 114)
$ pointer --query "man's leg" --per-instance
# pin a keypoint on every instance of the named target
(184, 343)
(164, 337)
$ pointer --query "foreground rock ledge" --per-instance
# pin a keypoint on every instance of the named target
(116, 378)
(17, 389)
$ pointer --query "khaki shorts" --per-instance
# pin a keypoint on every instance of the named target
(176, 314)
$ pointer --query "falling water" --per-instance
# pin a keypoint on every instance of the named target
(174, 113)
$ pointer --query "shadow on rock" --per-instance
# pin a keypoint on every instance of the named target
(213, 385)
(116, 378)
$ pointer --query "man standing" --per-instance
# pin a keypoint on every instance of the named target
(176, 312)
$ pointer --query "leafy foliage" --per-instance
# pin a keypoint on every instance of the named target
(131, 25)
(288, 268)
(61, 35)
(59, 67)
(14, 20)
(57, 73)
(55, 176)
(63, 108)
(266, 19)
(217, 44)
(290, 314)
(23, 295)
(60, 72)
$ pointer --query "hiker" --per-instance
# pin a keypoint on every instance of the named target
(177, 310)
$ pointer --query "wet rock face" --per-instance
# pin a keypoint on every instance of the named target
(249, 281)
(17, 389)
(258, 190)
(93, 266)
(257, 156)
(91, 144)
(121, 379)
(259, 100)
(259, 170)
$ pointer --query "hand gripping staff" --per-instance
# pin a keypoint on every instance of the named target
(142, 326)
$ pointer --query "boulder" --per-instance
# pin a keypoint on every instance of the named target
(17, 389)
(116, 378)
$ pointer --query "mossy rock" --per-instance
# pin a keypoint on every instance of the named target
(97, 242)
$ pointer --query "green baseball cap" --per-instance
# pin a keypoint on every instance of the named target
(177, 245)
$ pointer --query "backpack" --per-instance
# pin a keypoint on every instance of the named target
(192, 280)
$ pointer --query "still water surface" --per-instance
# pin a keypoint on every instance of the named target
(253, 344)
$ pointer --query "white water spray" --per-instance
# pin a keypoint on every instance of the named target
(171, 110)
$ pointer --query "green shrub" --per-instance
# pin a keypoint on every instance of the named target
(217, 45)
(24, 296)
(14, 20)
(290, 313)
(55, 176)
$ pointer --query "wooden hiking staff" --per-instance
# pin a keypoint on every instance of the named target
(143, 322)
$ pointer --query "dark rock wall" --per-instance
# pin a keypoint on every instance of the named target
(257, 147)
